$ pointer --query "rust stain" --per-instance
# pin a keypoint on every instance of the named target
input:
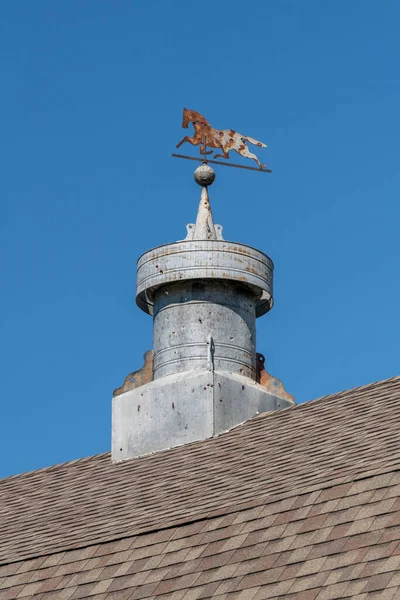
(268, 382)
(252, 270)
(223, 139)
(138, 378)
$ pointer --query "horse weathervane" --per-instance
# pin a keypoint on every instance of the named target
(221, 139)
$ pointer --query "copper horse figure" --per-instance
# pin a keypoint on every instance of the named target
(226, 139)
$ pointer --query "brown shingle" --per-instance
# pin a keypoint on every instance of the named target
(307, 582)
(337, 492)
(383, 551)
(92, 501)
(273, 590)
(179, 583)
(332, 533)
(91, 589)
(11, 593)
(304, 595)
(64, 594)
(311, 566)
(383, 565)
(189, 566)
(345, 558)
(369, 538)
(331, 592)
(248, 552)
(228, 585)
(261, 578)
(390, 534)
(15, 580)
(156, 575)
(262, 563)
(377, 582)
(327, 548)
(388, 594)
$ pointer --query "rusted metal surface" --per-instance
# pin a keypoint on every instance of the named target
(224, 139)
(205, 259)
(267, 381)
(137, 378)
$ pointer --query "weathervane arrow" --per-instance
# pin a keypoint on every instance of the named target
(221, 139)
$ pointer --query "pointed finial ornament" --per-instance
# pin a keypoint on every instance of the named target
(204, 228)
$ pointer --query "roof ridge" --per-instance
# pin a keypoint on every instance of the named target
(55, 466)
(353, 390)
(264, 415)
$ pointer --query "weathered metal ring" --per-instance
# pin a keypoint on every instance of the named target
(205, 259)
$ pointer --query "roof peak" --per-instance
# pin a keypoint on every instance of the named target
(315, 441)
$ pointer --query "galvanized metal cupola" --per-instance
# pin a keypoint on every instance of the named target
(203, 376)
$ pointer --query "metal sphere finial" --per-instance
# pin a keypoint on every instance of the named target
(204, 175)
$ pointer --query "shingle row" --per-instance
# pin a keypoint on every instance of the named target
(333, 543)
(91, 501)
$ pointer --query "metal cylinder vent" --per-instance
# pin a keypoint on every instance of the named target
(204, 292)
(204, 324)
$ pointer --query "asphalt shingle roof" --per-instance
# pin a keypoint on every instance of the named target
(301, 504)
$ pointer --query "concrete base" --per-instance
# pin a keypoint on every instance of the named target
(185, 407)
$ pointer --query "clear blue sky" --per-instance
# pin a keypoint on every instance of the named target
(90, 111)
